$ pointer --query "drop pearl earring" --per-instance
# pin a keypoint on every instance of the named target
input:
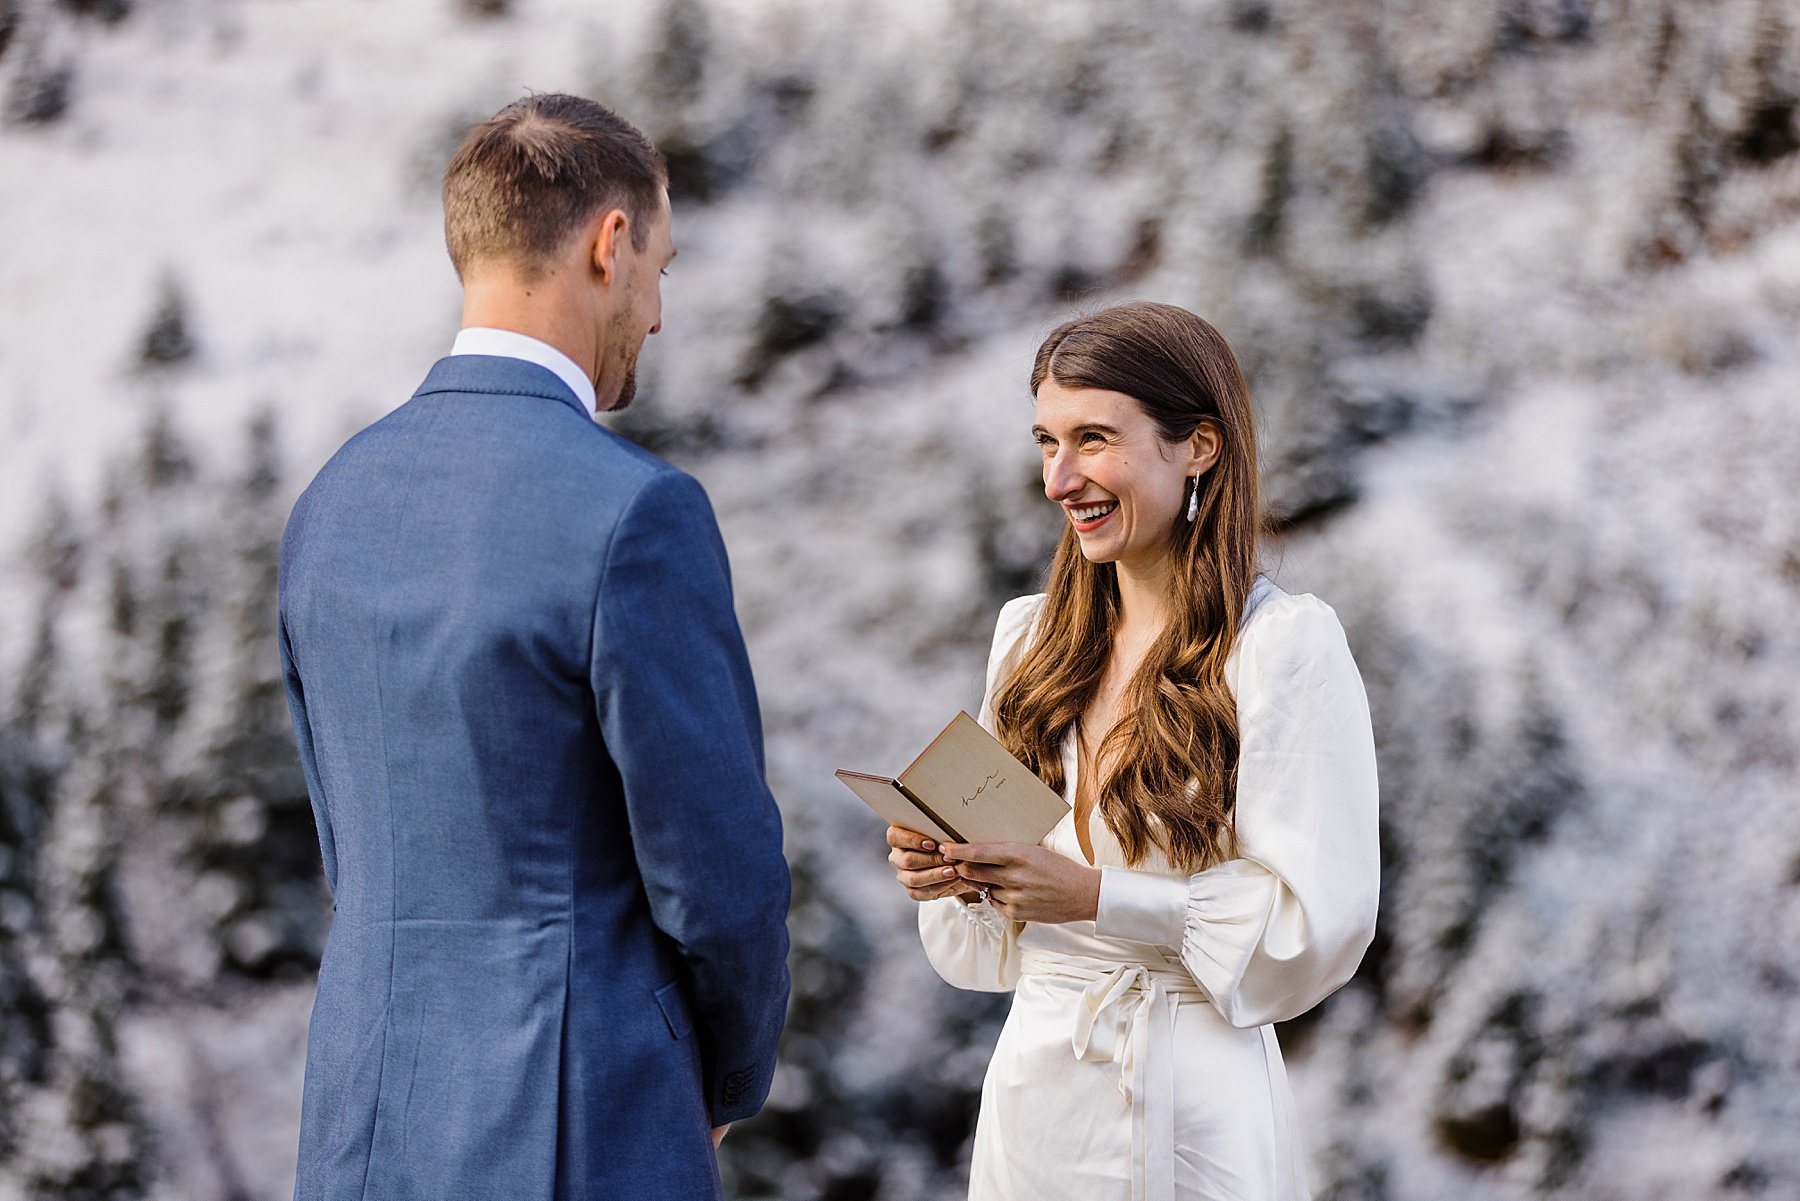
(1193, 509)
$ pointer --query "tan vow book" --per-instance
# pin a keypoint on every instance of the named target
(964, 787)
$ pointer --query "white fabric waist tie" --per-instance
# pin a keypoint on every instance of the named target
(1127, 1016)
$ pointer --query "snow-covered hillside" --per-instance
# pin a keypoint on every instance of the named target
(1516, 283)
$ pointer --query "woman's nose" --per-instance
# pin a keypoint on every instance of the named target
(1061, 480)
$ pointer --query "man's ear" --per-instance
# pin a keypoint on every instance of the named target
(1204, 447)
(607, 236)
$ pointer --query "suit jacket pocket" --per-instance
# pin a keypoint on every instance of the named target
(674, 1009)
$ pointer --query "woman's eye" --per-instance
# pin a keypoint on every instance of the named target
(1091, 439)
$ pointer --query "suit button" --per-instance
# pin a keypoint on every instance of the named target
(738, 1083)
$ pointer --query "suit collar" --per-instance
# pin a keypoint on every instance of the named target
(497, 376)
(508, 343)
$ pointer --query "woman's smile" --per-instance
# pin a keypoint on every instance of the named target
(1090, 517)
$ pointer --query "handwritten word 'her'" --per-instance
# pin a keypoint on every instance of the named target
(994, 778)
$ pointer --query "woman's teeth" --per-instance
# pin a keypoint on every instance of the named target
(1091, 514)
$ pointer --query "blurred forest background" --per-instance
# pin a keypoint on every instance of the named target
(1516, 283)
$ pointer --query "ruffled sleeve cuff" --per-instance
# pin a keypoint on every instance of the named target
(983, 915)
(970, 946)
(1230, 907)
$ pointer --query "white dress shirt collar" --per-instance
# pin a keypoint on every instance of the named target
(506, 344)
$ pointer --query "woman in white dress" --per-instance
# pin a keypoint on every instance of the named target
(1219, 868)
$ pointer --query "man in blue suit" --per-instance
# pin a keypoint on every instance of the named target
(530, 735)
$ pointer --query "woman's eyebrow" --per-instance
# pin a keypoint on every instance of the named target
(1086, 427)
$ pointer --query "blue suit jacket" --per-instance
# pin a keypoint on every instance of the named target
(528, 727)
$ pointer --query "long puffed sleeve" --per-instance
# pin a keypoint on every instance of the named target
(1274, 932)
(972, 946)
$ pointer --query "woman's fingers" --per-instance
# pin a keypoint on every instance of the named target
(919, 868)
(928, 878)
(914, 861)
(902, 839)
(985, 852)
(985, 875)
(938, 891)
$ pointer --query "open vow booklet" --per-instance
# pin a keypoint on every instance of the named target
(964, 787)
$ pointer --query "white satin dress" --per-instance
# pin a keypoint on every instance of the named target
(1138, 1062)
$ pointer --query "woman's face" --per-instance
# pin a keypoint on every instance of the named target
(1120, 485)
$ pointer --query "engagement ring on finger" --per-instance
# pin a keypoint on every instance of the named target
(981, 895)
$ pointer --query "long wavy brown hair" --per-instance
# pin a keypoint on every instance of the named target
(1169, 764)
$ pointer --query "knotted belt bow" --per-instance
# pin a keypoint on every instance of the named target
(1127, 1016)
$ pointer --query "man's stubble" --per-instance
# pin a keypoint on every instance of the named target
(621, 337)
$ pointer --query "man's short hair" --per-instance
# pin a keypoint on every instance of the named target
(524, 181)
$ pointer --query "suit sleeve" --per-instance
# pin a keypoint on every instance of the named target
(303, 740)
(678, 711)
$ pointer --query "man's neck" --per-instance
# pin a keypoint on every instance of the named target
(537, 311)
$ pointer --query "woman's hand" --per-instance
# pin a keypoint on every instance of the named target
(920, 870)
(1028, 884)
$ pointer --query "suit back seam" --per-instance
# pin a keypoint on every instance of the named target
(387, 784)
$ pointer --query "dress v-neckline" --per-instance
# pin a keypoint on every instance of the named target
(1082, 827)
